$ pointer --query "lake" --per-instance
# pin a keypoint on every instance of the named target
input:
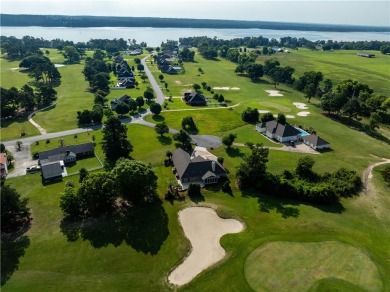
(154, 36)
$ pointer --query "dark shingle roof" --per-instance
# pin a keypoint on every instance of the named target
(76, 149)
(281, 130)
(194, 97)
(52, 169)
(315, 140)
(197, 167)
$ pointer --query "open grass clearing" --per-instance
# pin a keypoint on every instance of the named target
(296, 266)
(211, 122)
(12, 128)
(339, 65)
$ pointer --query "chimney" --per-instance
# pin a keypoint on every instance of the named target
(213, 165)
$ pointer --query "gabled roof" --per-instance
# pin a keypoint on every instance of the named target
(181, 159)
(208, 175)
(194, 96)
(315, 140)
(281, 130)
(52, 169)
(196, 167)
(76, 149)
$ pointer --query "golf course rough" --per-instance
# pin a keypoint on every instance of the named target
(296, 266)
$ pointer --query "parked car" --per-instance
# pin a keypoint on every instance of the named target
(32, 169)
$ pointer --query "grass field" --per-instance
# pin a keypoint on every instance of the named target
(138, 251)
(340, 65)
(296, 266)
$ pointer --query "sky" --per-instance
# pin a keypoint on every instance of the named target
(375, 13)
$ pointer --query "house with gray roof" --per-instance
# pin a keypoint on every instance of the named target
(53, 161)
(279, 132)
(194, 98)
(315, 142)
(197, 169)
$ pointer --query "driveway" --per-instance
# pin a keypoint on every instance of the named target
(207, 141)
(22, 160)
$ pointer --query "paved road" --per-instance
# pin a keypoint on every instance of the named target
(160, 96)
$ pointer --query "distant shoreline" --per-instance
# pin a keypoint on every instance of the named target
(23, 20)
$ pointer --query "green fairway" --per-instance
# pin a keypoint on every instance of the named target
(340, 65)
(340, 247)
(296, 266)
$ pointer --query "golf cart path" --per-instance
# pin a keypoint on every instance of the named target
(35, 124)
(367, 174)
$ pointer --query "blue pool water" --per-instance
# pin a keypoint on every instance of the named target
(303, 133)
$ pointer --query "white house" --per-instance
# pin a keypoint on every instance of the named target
(279, 132)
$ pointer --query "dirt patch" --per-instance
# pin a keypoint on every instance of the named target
(274, 93)
(178, 82)
(303, 114)
(204, 228)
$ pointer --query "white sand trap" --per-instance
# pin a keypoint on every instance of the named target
(178, 82)
(204, 228)
(234, 88)
(300, 105)
(303, 114)
(290, 117)
(262, 111)
(221, 88)
(273, 93)
(59, 65)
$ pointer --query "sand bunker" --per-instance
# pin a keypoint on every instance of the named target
(290, 117)
(221, 88)
(178, 82)
(59, 65)
(300, 105)
(303, 114)
(204, 228)
(234, 88)
(262, 111)
(273, 93)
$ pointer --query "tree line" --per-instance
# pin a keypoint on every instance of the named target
(302, 183)
(112, 21)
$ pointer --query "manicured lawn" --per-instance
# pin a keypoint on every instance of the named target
(137, 252)
(11, 128)
(296, 266)
(213, 122)
(87, 163)
(340, 65)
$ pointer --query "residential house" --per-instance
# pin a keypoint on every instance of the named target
(118, 59)
(196, 169)
(279, 132)
(194, 98)
(315, 142)
(124, 99)
(4, 163)
(53, 161)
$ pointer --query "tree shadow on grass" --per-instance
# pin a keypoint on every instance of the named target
(267, 204)
(234, 152)
(158, 118)
(165, 140)
(197, 198)
(144, 228)
(13, 247)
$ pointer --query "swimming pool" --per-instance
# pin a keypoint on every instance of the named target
(303, 133)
